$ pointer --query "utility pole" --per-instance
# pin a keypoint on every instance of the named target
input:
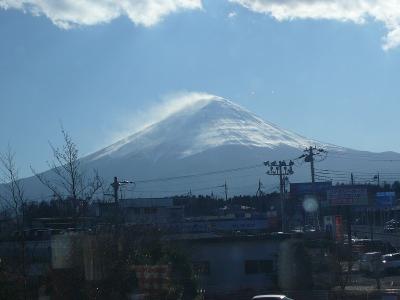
(281, 169)
(309, 156)
(377, 178)
(349, 219)
(116, 187)
(226, 192)
(259, 189)
(259, 193)
(371, 220)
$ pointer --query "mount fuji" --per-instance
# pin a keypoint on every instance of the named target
(210, 141)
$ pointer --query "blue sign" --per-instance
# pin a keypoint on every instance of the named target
(385, 199)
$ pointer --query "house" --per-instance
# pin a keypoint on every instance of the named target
(233, 263)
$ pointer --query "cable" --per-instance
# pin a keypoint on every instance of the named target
(360, 156)
(199, 174)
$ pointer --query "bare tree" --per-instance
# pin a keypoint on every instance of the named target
(12, 193)
(68, 177)
(13, 199)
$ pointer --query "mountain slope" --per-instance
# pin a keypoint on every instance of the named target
(204, 125)
(213, 134)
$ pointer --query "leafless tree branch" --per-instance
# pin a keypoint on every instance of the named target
(69, 176)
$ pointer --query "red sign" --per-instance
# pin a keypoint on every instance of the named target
(339, 228)
(152, 278)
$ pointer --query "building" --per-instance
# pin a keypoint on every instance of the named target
(140, 211)
(233, 264)
(305, 198)
(153, 211)
(225, 224)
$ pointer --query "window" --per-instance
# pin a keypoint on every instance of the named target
(201, 267)
(258, 266)
(150, 210)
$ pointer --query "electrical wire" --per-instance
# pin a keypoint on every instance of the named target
(161, 179)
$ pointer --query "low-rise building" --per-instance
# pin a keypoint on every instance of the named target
(233, 264)
(150, 211)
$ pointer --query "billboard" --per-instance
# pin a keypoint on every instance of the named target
(385, 199)
(301, 189)
(347, 195)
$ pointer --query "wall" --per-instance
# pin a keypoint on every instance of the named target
(227, 264)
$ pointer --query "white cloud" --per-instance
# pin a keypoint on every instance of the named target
(70, 13)
(131, 123)
(232, 14)
(357, 11)
(175, 102)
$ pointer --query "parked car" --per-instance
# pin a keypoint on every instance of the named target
(271, 297)
(368, 260)
(389, 228)
(393, 222)
(309, 228)
(391, 263)
(361, 246)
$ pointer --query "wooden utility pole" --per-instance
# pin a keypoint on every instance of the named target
(115, 185)
(309, 156)
(226, 192)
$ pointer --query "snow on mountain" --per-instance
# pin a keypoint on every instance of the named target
(209, 133)
(205, 124)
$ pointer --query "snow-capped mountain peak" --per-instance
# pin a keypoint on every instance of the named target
(207, 134)
(206, 123)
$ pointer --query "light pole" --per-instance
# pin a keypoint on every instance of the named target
(283, 170)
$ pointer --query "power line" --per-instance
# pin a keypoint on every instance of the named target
(355, 172)
(199, 174)
(361, 156)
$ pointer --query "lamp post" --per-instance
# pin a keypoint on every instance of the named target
(283, 170)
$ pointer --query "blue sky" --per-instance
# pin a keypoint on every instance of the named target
(332, 79)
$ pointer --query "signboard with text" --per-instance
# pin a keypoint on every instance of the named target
(385, 199)
(347, 195)
(307, 188)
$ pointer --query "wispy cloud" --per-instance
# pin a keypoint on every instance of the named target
(168, 105)
(232, 14)
(70, 13)
(357, 11)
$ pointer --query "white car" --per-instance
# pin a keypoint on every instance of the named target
(271, 297)
(391, 262)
